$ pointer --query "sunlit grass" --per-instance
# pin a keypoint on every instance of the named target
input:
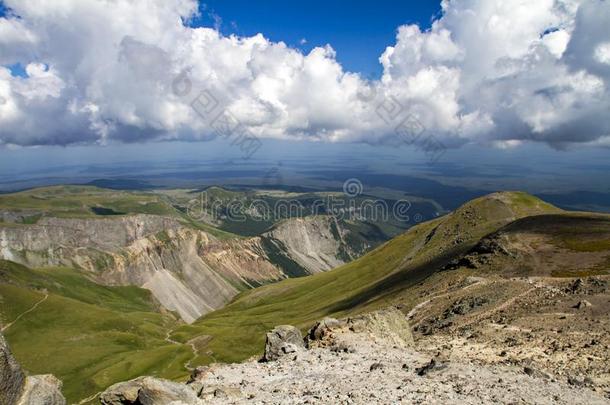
(88, 335)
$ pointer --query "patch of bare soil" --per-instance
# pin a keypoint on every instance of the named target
(554, 328)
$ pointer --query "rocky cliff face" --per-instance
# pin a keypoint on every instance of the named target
(102, 233)
(16, 388)
(188, 271)
(313, 244)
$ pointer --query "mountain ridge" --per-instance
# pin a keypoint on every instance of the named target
(423, 272)
(367, 282)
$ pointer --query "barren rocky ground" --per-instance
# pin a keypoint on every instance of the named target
(557, 327)
(378, 373)
(371, 360)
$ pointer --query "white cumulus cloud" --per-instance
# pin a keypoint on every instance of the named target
(499, 72)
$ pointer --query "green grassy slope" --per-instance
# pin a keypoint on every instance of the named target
(89, 336)
(78, 201)
(372, 281)
(577, 231)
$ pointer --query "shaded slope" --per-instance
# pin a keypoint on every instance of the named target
(368, 282)
(534, 294)
(564, 245)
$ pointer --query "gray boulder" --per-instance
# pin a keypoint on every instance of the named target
(43, 390)
(149, 391)
(282, 340)
(12, 378)
(389, 325)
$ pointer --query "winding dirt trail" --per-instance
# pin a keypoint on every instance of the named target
(187, 365)
(8, 325)
(89, 399)
(495, 310)
(168, 339)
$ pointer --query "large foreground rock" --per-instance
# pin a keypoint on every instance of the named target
(388, 325)
(42, 390)
(16, 388)
(149, 391)
(282, 340)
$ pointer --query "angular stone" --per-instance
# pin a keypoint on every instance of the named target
(43, 390)
(282, 340)
(388, 324)
(323, 328)
(582, 304)
(149, 391)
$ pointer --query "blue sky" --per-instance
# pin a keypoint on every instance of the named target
(359, 31)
